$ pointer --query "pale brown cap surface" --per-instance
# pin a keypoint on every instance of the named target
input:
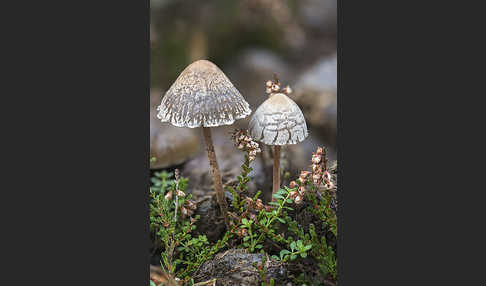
(202, 96)
(278, 121)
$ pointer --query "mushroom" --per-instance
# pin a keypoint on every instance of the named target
(278, 121)
(202, 96)
(168, 144)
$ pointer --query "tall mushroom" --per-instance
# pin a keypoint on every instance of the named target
(202, 96)
(278, 121)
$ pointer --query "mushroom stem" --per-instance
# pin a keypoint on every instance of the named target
(276, 170)
(218, 184)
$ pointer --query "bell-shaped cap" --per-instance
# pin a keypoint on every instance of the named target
(202, 96)
(278, 121)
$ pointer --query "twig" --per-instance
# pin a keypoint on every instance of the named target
(206, 282)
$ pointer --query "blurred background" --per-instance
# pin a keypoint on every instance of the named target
(250, 41)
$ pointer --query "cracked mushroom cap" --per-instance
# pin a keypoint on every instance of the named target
(278, 121)
(202, 96)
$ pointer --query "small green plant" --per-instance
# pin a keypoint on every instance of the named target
(171, 221)
(296, 248)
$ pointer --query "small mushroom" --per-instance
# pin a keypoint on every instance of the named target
(278, 121)
(202, 96)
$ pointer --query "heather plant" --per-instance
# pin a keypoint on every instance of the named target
(172, 221)
(253, 225)
(258, 222)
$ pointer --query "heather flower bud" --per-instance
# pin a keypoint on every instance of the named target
(319, 151)
(184, 211)
(168, 196)
(249, 200)
(327, 175)
(180, 193)
(258, 204)
(316, 159)
(190, 204)
(294, 194)
(269, 83)
(287, 90)
(329, 185)
(293, 184)
(298, 200)
(301, 190)
(304, 174)
(268, 90)
(244, 231)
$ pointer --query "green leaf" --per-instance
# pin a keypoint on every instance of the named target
(300, 245)
(292, 245)
(278, 196)
(282, 192)
(303, 255)
(258, 246)
(152, 283)
(244, 221)
(275, 257)
(280, 220)
(307, 247)
(274, 204)
(283, 252)
(289, 201)
(246, 238)
(293, 257)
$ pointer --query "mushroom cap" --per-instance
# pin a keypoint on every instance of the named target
(278, 121)
(170, 145)
(202, 95)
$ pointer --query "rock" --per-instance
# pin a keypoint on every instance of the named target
(236, 267)
(168, 144)
(211, 222)
(316, 93)
(319, 14)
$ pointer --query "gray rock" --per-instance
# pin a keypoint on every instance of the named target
(319, 14)
(316, 94)
(236, 267)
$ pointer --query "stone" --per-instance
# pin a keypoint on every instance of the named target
(316, 93)
(236, 267)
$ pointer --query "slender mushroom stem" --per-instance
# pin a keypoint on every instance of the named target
(218, 184)
(276, 170)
